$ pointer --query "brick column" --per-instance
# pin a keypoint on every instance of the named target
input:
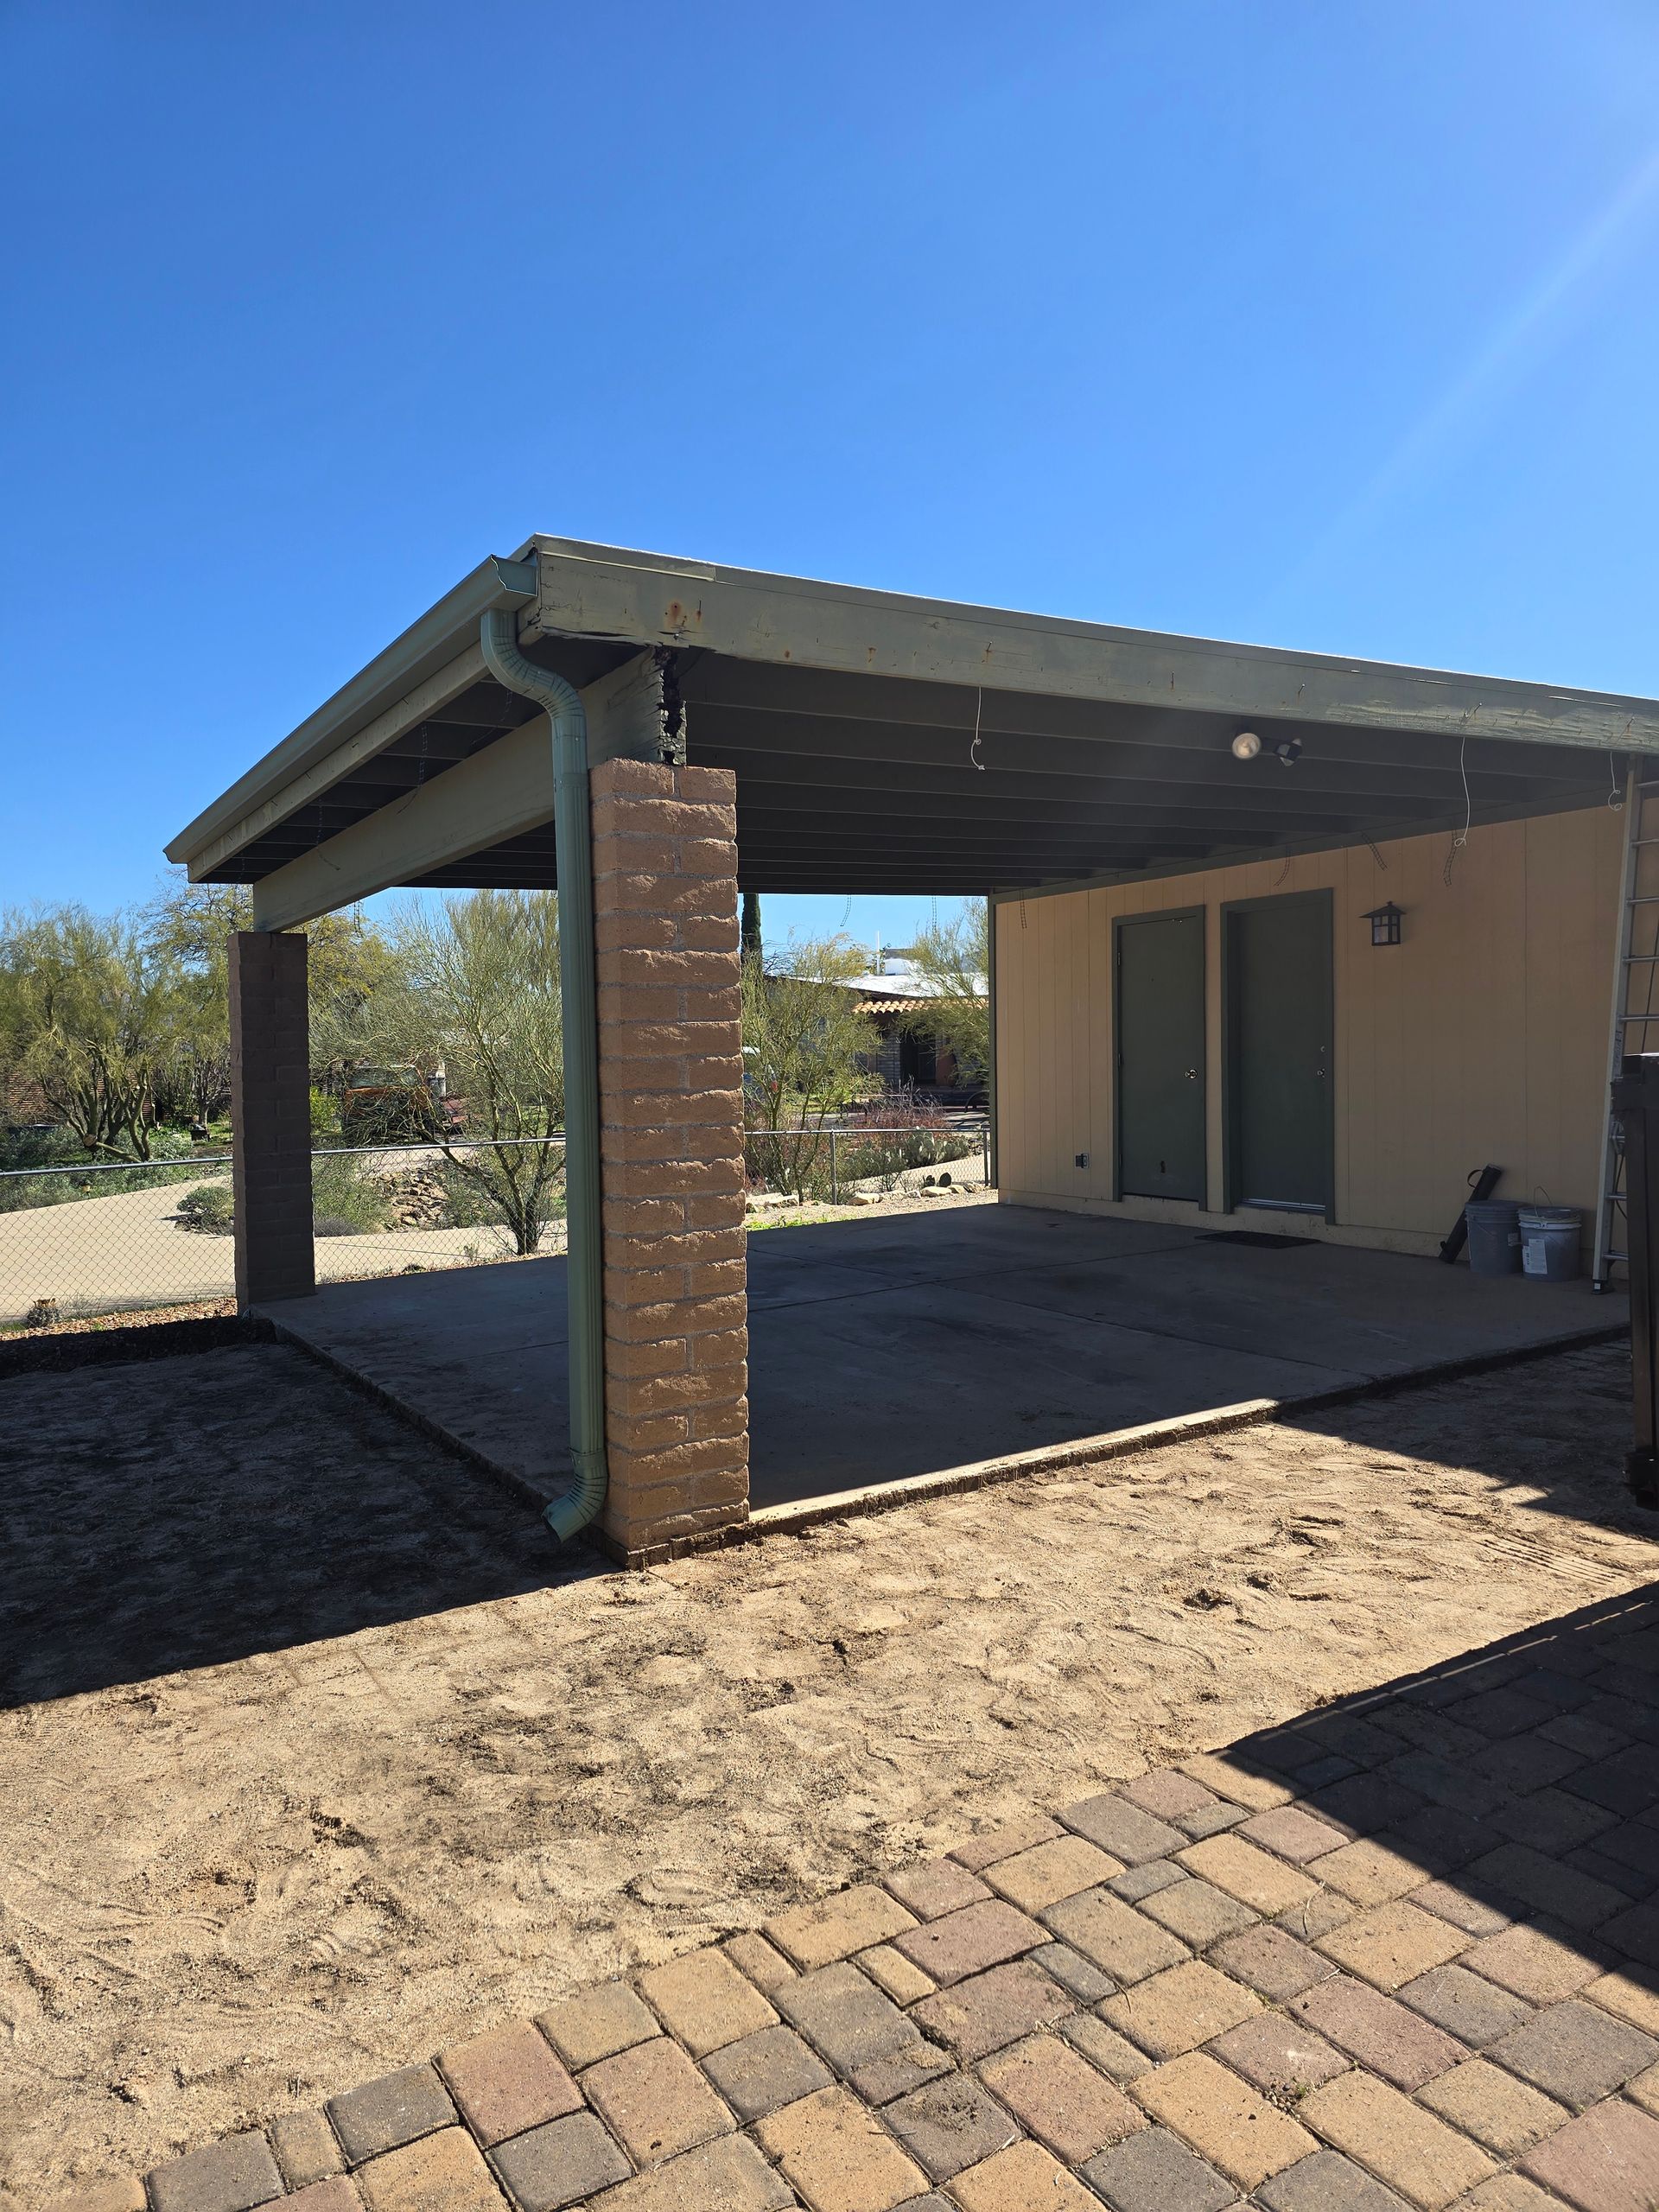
(670, 1076)
(270, 1116)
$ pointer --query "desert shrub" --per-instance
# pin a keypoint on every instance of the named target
(894, 1137)
(341, 1193)
(209, 1211)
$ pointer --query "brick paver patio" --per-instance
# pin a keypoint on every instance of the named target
(1403, 1951)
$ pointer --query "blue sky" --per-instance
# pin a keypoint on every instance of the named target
(1332, 326)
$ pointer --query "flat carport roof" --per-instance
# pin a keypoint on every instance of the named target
(880, 743)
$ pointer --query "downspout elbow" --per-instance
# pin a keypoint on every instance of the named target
(577, 1507)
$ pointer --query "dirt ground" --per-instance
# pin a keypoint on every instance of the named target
(315, 1758)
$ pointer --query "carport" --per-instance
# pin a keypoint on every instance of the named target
(659, 731)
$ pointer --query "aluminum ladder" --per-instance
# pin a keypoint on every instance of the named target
(1634, 1026)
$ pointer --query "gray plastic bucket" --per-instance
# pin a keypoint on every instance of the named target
(1494, 1237)
(1550, 1242)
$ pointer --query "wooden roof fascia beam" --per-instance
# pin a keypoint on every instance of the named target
(497, 793)
(615, 593)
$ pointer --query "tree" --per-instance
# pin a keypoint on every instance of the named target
(91, 1016)
(953, 959)
(190, 926)
(805, 1039)
(751, 929)
(473, 984)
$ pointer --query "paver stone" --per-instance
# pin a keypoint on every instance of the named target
(564, 2162)
(1576, 2052)
(1393, 1943)
(444, 2172)
(766, 2071)
(838, 2155)
(1119, 1939)
(230, 2176)
(1400, 2143)
(948, 2124)
(396, 2109)
(1176, 2010)
(1023, 2178)
(1061, 2098)
(1049, 1872)
(704, 2001)
(1608, 2161)
(1224, 2119)
(597, 2024)
(655, 2102)
(969, 1941)
(833, 1927)
(982, 2015)
(1493, 2107)
(729, 2175)
(1154, 2171)
(507, 2081)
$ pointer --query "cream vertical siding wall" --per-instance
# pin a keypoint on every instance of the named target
(1483, 1036)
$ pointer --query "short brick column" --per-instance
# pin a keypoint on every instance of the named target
(270, 1116)
(671, 1095)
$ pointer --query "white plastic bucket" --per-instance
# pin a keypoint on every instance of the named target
(1550, 1241)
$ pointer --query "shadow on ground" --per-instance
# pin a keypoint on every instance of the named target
(1522, 1780)
(184, 1512)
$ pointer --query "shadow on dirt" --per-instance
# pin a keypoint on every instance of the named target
(187, 1511)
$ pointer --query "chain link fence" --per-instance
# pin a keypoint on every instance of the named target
(107, 1237)
(91, 1239)
(859, 1162)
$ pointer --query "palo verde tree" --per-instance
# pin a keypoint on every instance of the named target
(472, 985)
(807, 1041)
(953, 960)
(189, 927)
(90, 1018)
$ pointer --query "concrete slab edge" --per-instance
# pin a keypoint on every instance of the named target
(1111, 1444)
(367, 1386)
(946, 1482)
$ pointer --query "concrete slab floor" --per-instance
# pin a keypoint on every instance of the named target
(887, 1350)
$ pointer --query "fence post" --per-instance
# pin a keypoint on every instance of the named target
(835, 1174)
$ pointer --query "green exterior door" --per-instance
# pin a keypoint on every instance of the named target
(1160, 1056)
(1279, 1051)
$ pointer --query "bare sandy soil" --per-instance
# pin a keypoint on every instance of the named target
(313, 1761)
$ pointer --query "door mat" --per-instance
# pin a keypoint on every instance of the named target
(1264, 1240)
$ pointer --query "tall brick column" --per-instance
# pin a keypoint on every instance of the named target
(671, 1076)
(270, 1116)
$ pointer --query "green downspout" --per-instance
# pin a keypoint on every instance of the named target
(573, 841)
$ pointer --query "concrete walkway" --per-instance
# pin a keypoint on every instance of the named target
(1403, 1952)
(886, 1350)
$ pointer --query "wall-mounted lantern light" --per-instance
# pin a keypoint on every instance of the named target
(1385, 923)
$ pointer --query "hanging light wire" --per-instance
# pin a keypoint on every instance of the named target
(1459, 837)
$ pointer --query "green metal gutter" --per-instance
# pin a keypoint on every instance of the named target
(442, 633)
(573, 843)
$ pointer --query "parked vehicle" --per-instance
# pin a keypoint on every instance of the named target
(396, 1105)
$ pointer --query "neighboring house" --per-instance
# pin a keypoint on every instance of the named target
(909, 1057)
